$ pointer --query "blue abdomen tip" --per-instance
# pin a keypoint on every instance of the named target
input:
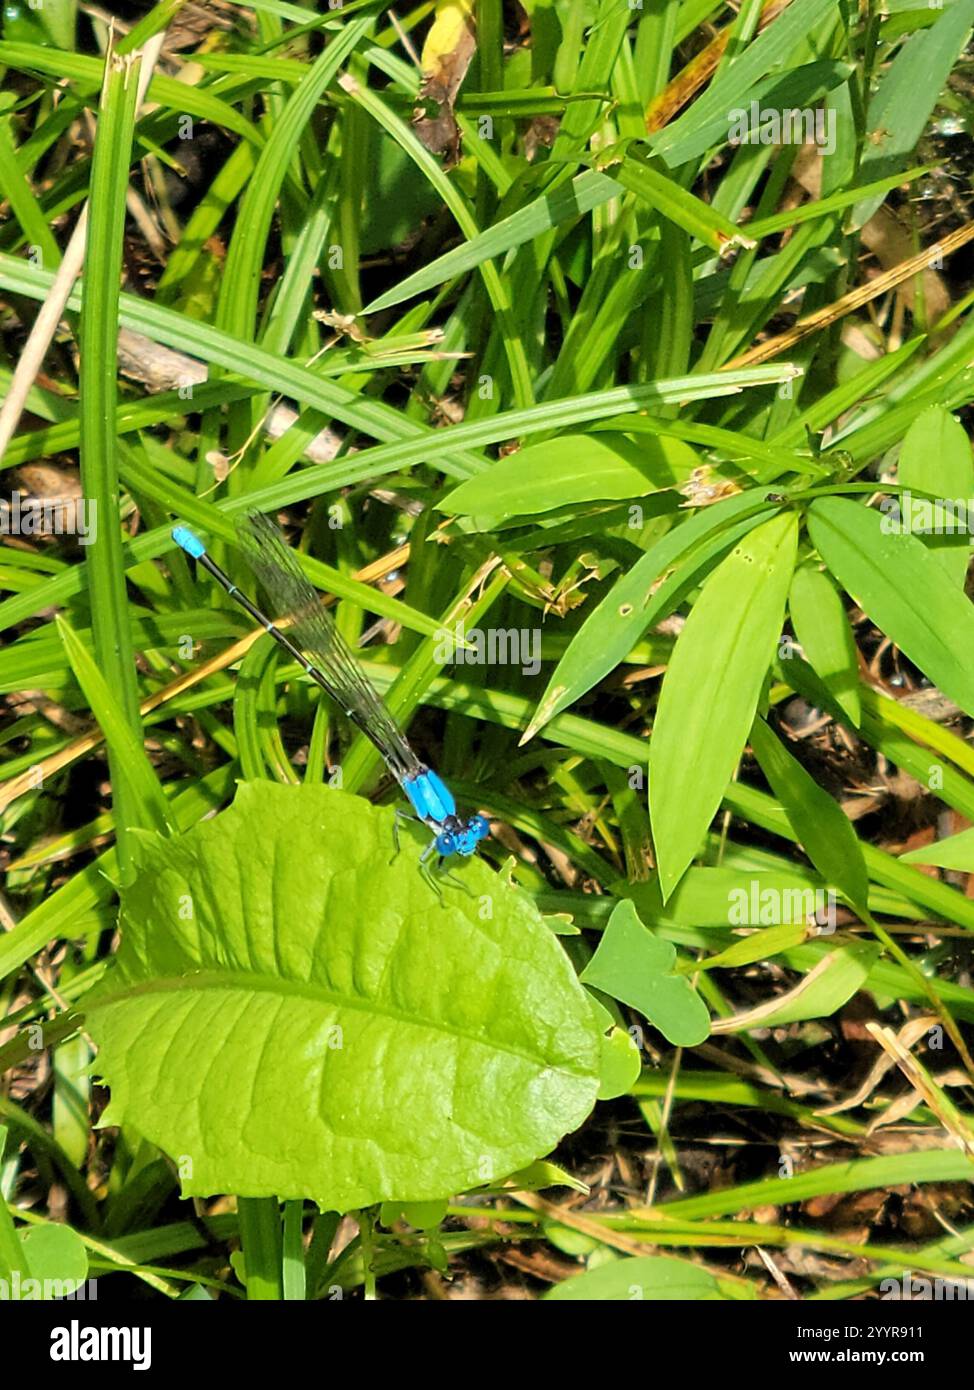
(185, 539)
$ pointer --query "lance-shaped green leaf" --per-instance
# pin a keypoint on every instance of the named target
(664, 195)
(825, 831)
(936, 458)
(572, 468)
(635, 602)
(711, 688)
(13, 1259)
(292, 1014)
(759, 945)
(568, 202)
(98, 397)
(739, 897)
(902, 587)
(822, 627)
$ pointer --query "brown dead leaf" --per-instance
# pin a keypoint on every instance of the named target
(446, 57)
(705, 486)
(908, 1035)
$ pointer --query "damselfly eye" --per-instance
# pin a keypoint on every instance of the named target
(446, 843)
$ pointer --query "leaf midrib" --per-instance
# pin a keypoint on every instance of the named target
(251, 983)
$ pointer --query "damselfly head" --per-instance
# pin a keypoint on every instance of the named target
(462, 837)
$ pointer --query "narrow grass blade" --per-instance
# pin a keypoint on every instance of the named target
(124, 744)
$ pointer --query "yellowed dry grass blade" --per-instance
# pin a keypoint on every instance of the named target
(606, 1235)
(920, 1079)
(822, 318)
(698, 72)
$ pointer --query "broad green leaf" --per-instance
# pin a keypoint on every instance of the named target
(579, 1244)
(903, 588)
(711, 689)
(956, 852)
(56, 1256)
(422, 1216)
(621, 1061)
(823, 829)
(13, 1258)
(345, 1035)
(635, 602)
(575, 1243)
(936, 457)
(571, 468)
(822, 627)
(621, 1064)
(634, 966)
(823, 991)
(644, 1277)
